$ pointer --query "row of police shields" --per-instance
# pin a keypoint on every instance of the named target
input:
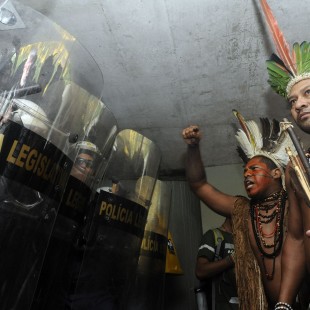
(83, 219)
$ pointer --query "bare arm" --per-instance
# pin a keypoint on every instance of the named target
(219, 202)
(206, 269)
(293, 254)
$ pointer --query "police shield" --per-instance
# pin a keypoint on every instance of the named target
(118, 222)
(89, 151)
(40, 123)
(147, 289)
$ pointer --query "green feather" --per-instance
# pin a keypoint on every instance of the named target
(305, 57)
(278, 77)
(298, 57)
(302, 56)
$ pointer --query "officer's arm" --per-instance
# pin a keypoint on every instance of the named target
(207, 269)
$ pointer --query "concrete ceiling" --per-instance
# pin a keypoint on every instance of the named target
(170, 63)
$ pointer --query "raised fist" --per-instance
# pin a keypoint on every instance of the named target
(191, 135)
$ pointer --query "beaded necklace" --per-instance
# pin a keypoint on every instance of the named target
(276, 202)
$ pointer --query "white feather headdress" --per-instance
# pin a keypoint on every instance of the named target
(269, 141)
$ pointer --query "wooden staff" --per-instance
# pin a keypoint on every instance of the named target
(289, 128)
(301, 164)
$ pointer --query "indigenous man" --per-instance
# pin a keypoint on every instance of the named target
(289, 76)
(258, 223)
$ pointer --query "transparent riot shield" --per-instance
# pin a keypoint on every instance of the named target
(89, 155)
(118, 223)
(42, 71)
(147, 290)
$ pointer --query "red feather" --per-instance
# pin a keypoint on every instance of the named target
(278, 38)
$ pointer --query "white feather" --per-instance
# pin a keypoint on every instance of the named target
(245, 144)
(254, 129)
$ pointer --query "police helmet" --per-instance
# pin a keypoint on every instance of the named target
(85, 147)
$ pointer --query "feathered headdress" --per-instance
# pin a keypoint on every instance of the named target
(270, 141)
(288, 67)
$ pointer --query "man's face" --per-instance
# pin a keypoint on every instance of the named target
(83, 167)
(299, 100)
(258, 179)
